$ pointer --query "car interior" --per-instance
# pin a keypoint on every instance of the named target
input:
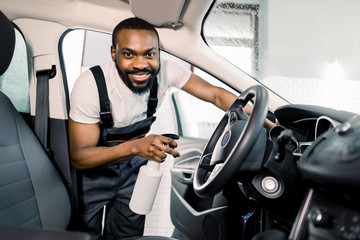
(33, 192)
(234, 179)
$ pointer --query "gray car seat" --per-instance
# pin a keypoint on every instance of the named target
(32, 193)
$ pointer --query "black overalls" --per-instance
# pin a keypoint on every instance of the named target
(113, 185)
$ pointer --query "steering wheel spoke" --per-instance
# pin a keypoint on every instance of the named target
(205, 162)
(236, 114)
(217, 168)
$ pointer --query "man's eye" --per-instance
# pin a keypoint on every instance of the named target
(150, 55)
(128, 55)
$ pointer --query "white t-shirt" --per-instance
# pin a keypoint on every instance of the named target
(126, 107)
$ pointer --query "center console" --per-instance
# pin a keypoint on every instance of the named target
(325, 218)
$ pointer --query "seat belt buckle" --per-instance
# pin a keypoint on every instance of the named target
(152, 104)
(106, 119)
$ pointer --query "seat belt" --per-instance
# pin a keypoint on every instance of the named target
(44, 72)
(105, 112)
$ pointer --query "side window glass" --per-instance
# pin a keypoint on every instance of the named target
(15, 81)
(83, 49)
(201, 119)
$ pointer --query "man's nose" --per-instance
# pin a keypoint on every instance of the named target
(140, 62)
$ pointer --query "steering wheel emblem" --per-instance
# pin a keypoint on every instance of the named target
(225, 139)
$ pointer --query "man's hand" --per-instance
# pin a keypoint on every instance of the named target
(86, 154)
(155, 147)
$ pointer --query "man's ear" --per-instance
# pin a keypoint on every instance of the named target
(113, 53)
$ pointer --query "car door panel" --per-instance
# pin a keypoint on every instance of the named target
(197, 218)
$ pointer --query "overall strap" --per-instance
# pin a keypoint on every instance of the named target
(105, 114)
(153, 100)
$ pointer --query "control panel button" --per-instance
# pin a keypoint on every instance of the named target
(320, 218)
(269, 184)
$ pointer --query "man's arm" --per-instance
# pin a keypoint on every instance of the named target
(220, 97)
(84, 153)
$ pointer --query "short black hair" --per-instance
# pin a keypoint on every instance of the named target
(133, 23)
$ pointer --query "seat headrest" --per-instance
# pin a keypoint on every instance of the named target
(7, 42)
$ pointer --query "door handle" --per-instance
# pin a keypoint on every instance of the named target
(183, 175)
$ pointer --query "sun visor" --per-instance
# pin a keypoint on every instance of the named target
(159, 12)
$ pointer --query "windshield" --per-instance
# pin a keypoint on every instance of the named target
(307, 51)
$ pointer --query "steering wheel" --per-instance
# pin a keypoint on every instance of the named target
(231, 142)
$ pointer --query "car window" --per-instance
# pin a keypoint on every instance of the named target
(83, 49)
(15, 81)
(231, 29)
(311, 60)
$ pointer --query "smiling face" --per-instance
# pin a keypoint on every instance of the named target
(136, 56)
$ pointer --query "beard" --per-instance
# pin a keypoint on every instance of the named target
(129, 84)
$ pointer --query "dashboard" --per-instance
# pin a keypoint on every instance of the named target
(325, 144)
(307, 123)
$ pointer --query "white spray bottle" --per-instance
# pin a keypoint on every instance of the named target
(146, 186)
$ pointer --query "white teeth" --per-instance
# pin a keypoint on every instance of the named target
(141, 77)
